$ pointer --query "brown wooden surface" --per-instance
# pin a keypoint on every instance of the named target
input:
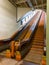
(30, 31)
(25, 32)
(36, 52)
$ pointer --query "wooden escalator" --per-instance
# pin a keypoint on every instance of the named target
(36, 52)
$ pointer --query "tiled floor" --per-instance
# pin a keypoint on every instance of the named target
(7, 61)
